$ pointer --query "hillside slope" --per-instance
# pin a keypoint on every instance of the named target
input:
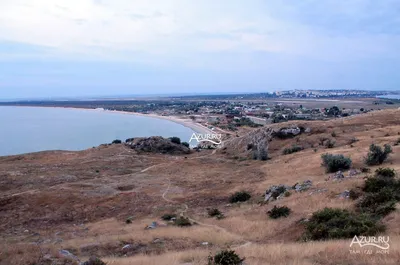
(80, 201)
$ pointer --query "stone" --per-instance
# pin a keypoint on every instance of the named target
(353, 172)
(345, 194)
(299, 187)
(67, 254)
(338, 176)
(127, 247)
(152, 226)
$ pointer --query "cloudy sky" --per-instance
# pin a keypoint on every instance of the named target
(56, 48)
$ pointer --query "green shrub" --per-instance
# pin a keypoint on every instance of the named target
(225, 257)
(376, 184)
(117, 142)
(397, 142)
(213, 212)
(278, 212)
(175, 140)
(335, 163)
(330, 144)
(365, 170)
(331, 223)
(240, 196)
(94, 261)
(354, 194)
(333, 134)
(293, 149)
(377, 155)
(385, 172)
(129, 220)
(185, 144)
(378, 204)
(183, 222)
(168, 216)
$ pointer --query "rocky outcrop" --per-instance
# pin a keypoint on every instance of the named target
(277, 192)
(157, 144)
(287, 132)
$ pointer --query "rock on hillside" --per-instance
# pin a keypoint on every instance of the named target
(157, 144)
(260, 138)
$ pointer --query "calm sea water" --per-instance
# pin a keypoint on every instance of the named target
(25, 129)
(391, 96)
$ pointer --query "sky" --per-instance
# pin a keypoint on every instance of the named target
(73, 48)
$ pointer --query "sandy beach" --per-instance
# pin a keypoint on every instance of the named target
(197, 127)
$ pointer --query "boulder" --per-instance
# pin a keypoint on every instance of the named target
(276, 192)
(345, 194)
(69, 255)
(338, 176)
(299, 187)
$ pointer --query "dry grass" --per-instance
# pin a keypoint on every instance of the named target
(197, 183)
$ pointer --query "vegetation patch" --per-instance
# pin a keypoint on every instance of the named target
(331, 223)
(168, 216)
(278, 212)
(94, 261)
(214, 212)
(385, 172)
(240, 196)
(175, 140)
(225, 257)
(378, 204)
(117, 142)
(183, 222)
(334, 163)
(377, 155)
(292, 149)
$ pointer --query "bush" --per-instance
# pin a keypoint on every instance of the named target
(94, 261)
(183, 221)
(175, 140)
(331, 223)
(240, 196)
(354, 194)
(377, 184)
(213, 212)
(185, 144)
(278, 212)
(385, 172)
(225, 257)
(117, 142)
(377, 155)
(335, 163)
(168, 216)
(352, 141)
(333, 134)
(129, 220)
(397, 142)
(378, 204)
(293, 149)
(365, 170)
(330, 144)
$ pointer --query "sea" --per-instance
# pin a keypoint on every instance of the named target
(34, 129)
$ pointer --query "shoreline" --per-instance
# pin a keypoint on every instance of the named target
(197, 127)
(188, 123)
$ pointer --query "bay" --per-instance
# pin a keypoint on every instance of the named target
(33, 129)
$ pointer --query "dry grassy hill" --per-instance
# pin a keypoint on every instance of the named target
(80, 201)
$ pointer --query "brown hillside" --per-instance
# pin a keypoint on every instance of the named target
(80, 201)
